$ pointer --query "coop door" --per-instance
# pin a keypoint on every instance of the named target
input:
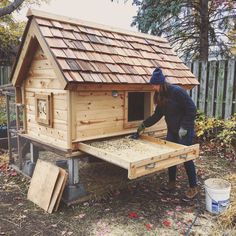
(138, 106)
(142, 156)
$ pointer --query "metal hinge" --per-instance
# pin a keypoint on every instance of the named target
(183, 156)
(150, 166)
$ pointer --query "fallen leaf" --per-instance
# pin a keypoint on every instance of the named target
(81, 216)
(178, 208)
(167, 223)
(149, 226)
(13, 174)
(133, 215)
(170, 213)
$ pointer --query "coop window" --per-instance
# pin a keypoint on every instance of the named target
(138, 108)
(43, 108)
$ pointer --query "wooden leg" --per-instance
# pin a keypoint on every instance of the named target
(11, 159)
(73, 169)
(19, 144)
(34, 153)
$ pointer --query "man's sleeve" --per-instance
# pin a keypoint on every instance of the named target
(188, 108)
(157, 115)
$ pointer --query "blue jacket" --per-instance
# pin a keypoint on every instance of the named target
(179, 111)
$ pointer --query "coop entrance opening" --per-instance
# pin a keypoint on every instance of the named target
(138, 107)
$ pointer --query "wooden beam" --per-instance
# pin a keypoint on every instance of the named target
(163, 162)
(52, 148)
(161, 141)
(75, 86)
(25, 58)
(69, 118)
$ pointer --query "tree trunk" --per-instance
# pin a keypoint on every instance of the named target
(10, 8)
(204, 28)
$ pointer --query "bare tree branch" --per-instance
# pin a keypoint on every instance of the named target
(10, 8)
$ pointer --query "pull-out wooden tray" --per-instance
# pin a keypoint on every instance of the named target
(142, 156)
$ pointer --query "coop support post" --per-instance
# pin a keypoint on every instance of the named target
(74, 190)
(34, 153)
(73, 169)
(11, 160)
(19, 144)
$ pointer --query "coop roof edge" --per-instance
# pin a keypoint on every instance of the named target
(66, 19)
(32, 36)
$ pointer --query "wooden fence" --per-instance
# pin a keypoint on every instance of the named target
(5, 74)
(216, 94)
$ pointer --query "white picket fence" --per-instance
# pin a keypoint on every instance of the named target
(216, 94)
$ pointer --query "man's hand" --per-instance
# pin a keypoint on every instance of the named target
(182, 132)
(135, 135)
(141, 128)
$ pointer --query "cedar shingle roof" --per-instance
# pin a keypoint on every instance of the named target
(93, 53)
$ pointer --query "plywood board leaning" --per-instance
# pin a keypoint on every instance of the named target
(42, 184)
(61, 191)
(59, 187)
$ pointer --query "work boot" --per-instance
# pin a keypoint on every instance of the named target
(169, 187)
(191, 193)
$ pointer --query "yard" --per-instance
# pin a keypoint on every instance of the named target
(127, 208)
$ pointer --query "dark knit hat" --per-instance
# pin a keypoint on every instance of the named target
(157, 77)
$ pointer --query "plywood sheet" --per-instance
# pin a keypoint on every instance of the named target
(61, 191)
(42, 184)
(58, 189)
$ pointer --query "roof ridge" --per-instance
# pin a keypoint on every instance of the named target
(90, 24)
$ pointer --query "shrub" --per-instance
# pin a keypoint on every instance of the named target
(221, 132)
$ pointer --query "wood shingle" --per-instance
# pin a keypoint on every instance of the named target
(87, 52)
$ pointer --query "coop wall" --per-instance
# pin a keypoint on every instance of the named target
(99, 114)
(42, 79)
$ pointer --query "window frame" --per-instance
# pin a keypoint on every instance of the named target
(49, 111)
(148, 108)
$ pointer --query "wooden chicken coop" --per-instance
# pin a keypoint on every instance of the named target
(82, 83)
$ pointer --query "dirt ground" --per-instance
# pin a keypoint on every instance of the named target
(133, 208)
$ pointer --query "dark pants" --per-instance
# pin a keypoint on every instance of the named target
(189, 165)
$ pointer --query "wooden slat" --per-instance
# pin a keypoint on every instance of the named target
(62, 189)
(230, 89)
(195, 89)
(220, 89)
(163, 162)
(56, 196)
(202, 89)
(211, 88)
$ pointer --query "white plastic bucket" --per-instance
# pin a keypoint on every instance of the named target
(217, 193)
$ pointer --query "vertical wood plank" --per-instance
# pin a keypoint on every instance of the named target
(1, 82)
(195, 89)
(202, 92)
(220, 89)
(69, 118)
(189, 65)
(211, 88)
(229, 88)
